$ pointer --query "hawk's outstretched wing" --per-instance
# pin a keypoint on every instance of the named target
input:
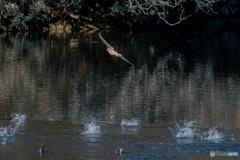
(104, 41)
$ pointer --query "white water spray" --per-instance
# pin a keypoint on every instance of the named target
(130, 123)
(91, 128)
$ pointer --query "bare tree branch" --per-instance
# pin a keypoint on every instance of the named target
(161, 8)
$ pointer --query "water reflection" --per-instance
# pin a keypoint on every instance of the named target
(129, 130)
(191, 75)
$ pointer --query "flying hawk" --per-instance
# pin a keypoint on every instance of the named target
(111, 50)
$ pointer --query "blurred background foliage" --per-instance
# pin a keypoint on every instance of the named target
(19, 15)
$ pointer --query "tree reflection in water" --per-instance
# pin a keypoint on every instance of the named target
(65, 78)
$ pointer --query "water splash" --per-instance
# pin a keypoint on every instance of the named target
(4, 141)
(232, 139)
(21, 118)
(5, 132)
(185, 131)
(212, 135)
(188, 131)
(17, 121)
(130, 123)
(91, 128)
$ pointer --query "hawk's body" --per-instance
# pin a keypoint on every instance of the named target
(111, 50)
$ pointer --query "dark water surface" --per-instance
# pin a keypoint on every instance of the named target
(75, 95)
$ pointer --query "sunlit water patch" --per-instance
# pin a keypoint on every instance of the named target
(130, 123)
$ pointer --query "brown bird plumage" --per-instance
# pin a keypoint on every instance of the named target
(41, 149)
(111, 50)
(119, 150)
(16, 118)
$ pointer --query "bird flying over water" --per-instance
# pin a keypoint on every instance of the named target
(111, 50)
